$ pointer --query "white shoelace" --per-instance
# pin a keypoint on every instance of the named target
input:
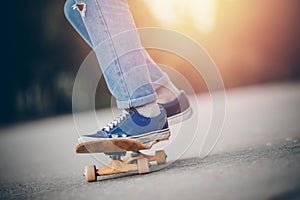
(116, 121)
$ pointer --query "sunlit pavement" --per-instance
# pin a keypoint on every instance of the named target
(257, 156)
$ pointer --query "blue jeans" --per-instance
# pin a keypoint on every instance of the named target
(108, 27)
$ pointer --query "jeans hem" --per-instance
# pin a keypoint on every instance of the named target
(136, 102)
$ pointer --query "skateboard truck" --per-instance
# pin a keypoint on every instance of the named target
(116, 155)
(136, 162)
(116, 149)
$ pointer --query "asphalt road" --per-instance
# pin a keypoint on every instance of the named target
(256, 157)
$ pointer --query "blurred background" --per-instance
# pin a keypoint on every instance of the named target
(251, 41)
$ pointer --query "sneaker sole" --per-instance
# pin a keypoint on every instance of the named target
(143, 138)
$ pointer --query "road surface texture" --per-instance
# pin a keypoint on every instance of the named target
(257, 156)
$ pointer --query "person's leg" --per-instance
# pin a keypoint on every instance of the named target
(110, 30)
(112, 34)
(157, 76)
(76, 13)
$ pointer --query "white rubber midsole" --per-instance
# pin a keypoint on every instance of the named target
(144, 138)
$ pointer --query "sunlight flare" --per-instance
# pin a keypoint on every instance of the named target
(198, 13)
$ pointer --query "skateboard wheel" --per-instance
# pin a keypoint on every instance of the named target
(90, 173)
(160, 157)
(143, 165)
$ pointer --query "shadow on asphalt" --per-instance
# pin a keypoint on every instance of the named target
(245, 157)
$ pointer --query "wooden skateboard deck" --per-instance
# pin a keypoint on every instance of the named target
(112, 145)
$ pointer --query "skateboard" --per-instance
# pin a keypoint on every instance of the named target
(117, 149)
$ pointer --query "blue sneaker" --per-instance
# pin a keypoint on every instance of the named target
(179, 109)
(130, 124)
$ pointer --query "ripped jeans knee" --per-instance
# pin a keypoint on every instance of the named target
(81, 7)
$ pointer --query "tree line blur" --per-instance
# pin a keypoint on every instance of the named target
(253, 42)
